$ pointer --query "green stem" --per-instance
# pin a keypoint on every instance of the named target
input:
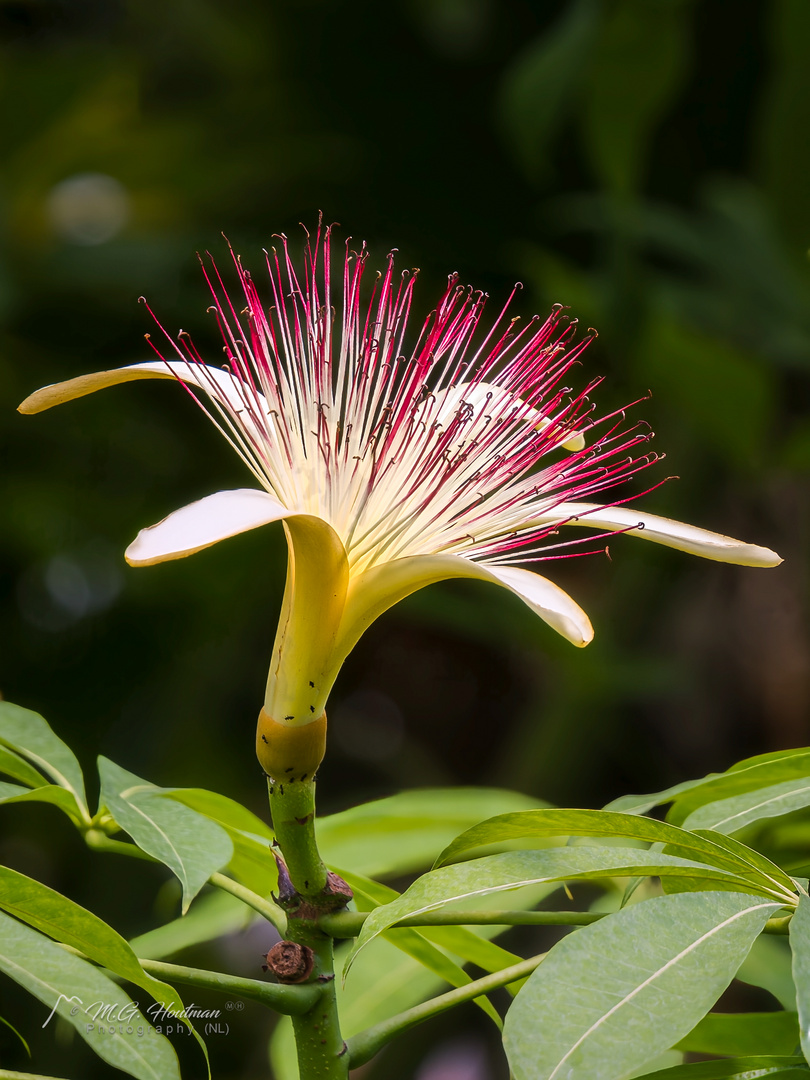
(99, 841)
(292, 807)
(364, 1046)
(291, 1000)
(321, 1050)
(272, 912)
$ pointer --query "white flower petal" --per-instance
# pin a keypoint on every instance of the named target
(376, 590)
(218, 384)
(549, 601)
(485, 395)
(203, 523)
(661, 530)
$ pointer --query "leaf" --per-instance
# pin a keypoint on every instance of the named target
(221, 809)
(641, 45)
(71, 987)
(800, 946)
(30, 735)
(543, 83)
(11, 1027)
(403, 833)
(498, 873)
(191, 845)
(611, 997)
(68, 922)
(49, 793)
(642, 804)
(744, 1033)
(743, 777)
(553, 822)
(212, 916)
(730, 815)
(252, 862)
(18, 768)
(739, 1068)
(768, 966)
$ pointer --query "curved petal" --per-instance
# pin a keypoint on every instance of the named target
(487, 395)
(302, 669)
(377, 589)
(661, 530)
(220, 385)
(203, 523)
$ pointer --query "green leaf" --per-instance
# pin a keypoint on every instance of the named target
(553, 822)
(743, 777)
(800, 946)
(768, 966)
(17, 767)
(68, 922)
(220, 808)
(611, 997)
(739, 1068)
(499, 873)
(213, 915)
(50, 793)
(730, 815)
(30, 735)
(11, 1027)
(542, 84)
(71, 987)
(189, 844)
(641, 45)
(252, 862)
(642, 804)
(744, 1033)
(403, 833)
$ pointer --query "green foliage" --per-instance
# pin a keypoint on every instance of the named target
(402, 833)
(800, 945)
(28, 735)
(611, 997)
(70, 986)
(190, 844)
(744, 1033)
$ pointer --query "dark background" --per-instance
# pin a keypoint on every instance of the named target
(643, 161)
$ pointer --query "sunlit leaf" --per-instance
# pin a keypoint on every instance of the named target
(611, 997)
(71, 987)
(405, 832)
(30, 735)
(500, 873)
(730, 815)
(189, 844)
(800, 946)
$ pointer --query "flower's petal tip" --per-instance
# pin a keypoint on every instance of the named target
(202, 524)
(82, 385)
(762, 556)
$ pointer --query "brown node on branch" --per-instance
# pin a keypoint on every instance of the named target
(290, 962)
(335, 895)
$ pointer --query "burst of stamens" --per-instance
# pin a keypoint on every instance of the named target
(452, 448)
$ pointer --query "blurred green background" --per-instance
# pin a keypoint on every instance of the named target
(645, 162)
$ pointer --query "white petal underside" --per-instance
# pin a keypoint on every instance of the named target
(549, 601)
(661, 530)
(376, 590)
(203, 523)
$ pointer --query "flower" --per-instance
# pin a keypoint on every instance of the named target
(393, 467)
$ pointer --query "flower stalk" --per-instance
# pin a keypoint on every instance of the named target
(307, 891)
